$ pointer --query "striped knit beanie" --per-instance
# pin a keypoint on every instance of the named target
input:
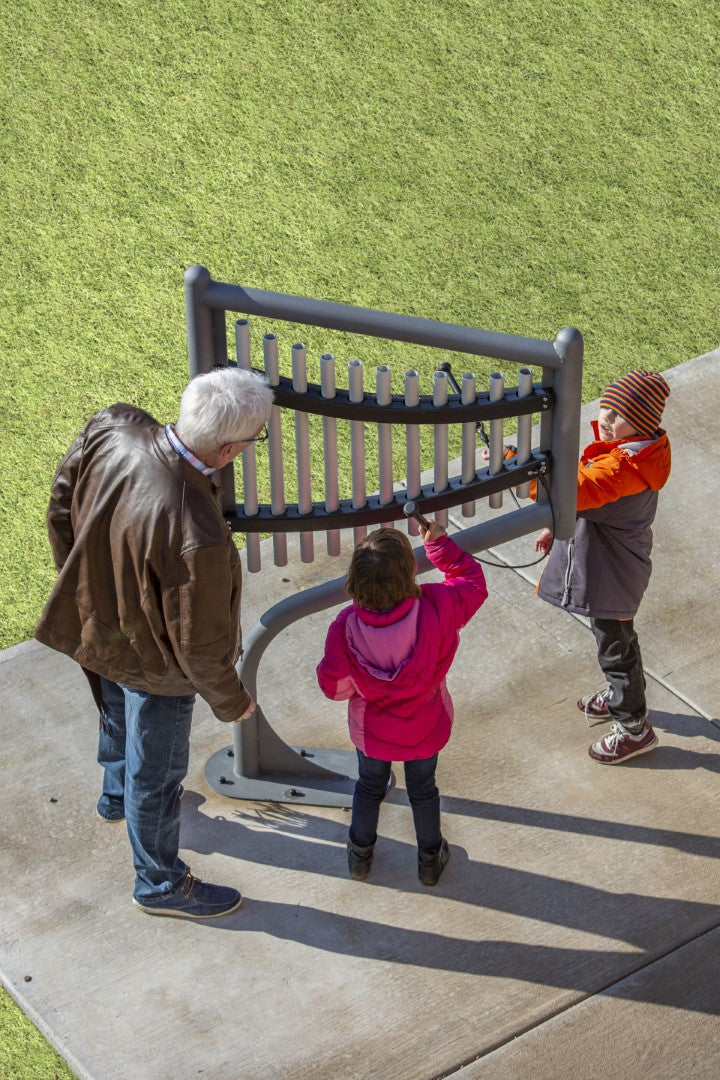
(639, 397)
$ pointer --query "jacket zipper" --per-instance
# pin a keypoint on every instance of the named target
(568, 573)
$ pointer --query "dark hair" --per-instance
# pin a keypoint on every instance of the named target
(382, 570)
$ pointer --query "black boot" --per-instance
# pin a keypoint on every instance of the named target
(430, 867)
(359, 860)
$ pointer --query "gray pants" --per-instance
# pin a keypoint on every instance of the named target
(621, 664)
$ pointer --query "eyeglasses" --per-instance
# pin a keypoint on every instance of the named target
(258, 438)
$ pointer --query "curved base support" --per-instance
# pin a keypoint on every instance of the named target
(261, 765)
(259, 751)
(333, 787)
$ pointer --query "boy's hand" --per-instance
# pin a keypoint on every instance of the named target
(543, 542)
(434, 532)
(509, 451)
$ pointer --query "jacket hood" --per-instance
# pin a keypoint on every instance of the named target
(382, 642)
(650, 458)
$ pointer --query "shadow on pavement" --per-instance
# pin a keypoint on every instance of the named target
(588, 971)
(280, 836)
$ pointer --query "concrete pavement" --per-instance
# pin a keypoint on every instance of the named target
(575, 931)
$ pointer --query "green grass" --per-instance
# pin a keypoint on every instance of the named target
(512, 164)
(24, 1054)
(515, 165)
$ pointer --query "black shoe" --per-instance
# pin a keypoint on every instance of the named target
(193, 899)
(359, 860)
(112, 810)
(430, 867)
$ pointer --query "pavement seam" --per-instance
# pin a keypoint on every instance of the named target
(552, 1014)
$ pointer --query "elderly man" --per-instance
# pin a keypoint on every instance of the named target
(147, 601)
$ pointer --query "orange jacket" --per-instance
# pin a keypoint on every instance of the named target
(610, 470)
(603, 570)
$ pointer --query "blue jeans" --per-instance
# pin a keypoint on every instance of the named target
(144, 747)
(370, 789)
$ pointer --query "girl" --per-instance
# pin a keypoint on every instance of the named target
(388, 654)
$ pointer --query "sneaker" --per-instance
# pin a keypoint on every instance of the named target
(193, 899)
(359, 860)
(596, 705)
(620, 745)
(430, 867)
(116, 810)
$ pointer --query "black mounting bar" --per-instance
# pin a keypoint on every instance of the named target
(397, 412)
(375, 513)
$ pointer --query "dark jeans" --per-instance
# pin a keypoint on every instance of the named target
(422, 792)
(621, 664)
(144, 746)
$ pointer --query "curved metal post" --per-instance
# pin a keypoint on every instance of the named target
(260, 765)
(566, 431)
(199, 319)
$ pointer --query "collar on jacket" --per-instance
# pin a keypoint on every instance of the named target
(174, 462)
(384, 618)
(180, 448)
(632, 445)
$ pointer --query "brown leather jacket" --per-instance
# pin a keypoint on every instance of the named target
(149, 579)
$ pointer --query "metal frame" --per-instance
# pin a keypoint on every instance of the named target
(260, 765)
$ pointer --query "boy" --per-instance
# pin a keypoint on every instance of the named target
(603, 571)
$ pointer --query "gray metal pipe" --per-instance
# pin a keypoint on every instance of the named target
(440, 444)
(413, 480)
(384, 324)
(330, 450)
(384, 434)
(497, 447)
(468, 394)
(275, 448)
(357, 446)
(249, 456)
(499, 530)
(302, 450)
(566, 431)
(198, 317)
(524, 433)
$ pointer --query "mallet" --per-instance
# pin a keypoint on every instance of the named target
(410, 509)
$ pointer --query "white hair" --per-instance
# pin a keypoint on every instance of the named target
(225, 406)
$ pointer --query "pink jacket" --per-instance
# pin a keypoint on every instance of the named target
(391, 665)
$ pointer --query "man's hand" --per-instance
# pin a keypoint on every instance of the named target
(247, 714)
(543, 542)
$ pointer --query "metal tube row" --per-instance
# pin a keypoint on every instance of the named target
(386, 486)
